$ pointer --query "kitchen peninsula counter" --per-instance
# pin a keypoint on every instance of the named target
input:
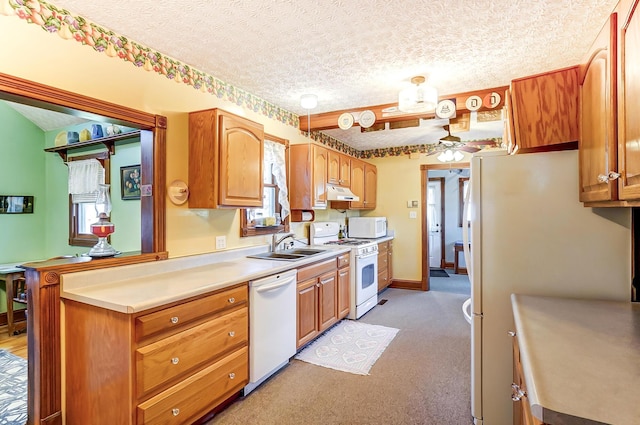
(580, 359)
(134, 288)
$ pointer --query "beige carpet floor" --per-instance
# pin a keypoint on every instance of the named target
(421, 378)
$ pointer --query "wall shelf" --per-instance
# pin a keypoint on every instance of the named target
(109, 142)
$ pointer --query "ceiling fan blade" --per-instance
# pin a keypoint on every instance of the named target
(469, 149)
(481, 143)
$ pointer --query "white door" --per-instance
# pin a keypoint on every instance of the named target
(433, 223)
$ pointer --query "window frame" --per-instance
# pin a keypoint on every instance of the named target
(75, 237)
(246, 229)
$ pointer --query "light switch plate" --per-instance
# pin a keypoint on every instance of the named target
(221, 242)
(413, 214)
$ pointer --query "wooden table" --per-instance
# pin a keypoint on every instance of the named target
(10, 276)
(458, 247)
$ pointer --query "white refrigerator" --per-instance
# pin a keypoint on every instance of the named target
(530, 234)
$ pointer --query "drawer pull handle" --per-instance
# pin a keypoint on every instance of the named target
(232, 333)
(174, 360)
(174, 319)
(175, 411)
(232, 375)
(232, 300)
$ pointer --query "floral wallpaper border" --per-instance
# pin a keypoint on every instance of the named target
(59, 21)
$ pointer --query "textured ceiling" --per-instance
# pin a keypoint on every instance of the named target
(45, 119)
(355, 53)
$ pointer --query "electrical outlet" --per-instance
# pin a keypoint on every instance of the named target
(413, 214)
(221, 242)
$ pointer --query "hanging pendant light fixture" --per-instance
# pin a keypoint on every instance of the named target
(418, 98)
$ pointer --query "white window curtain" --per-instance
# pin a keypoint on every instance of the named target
(84, 178)
(274, 154)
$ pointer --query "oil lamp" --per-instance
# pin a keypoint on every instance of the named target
(103, 227)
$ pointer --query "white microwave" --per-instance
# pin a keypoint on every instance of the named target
(367, 227)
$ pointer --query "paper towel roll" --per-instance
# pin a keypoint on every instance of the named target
(307, 216)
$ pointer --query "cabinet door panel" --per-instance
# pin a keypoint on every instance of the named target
(328, 300)
(241, 157)
(333, 172)
(345, 171)
(598, 144)
(307, 305)
(545, 109)
(357, 183)
(370, 186)
(344, 291)
(320, 162)
(629, 107)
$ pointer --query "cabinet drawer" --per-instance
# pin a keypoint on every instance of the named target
(177, 316)
(383, 261)
(343, 260)
(198, 394)
(316, 269)
(170, 357)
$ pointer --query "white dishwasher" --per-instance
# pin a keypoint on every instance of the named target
(272, 325)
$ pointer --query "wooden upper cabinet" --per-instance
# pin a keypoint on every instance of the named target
(370, 186)
(226, 153)
(598, 132)
(339, 171)
(364, 184)
(319, 181)
(308, 187)
(629, 106)
(545, 110)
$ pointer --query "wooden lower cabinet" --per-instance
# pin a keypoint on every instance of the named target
(521, 407)
(169, 365)
(344, 286)
(385, 250)
(323, 297)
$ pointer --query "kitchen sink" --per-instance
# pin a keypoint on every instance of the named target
(288, 255)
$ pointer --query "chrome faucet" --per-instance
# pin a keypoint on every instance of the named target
(275, 241)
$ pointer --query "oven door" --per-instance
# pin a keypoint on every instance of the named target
(366, 283)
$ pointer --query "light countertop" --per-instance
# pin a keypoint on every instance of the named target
(580, 358)
(138, 287)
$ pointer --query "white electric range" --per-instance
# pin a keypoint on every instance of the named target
(364, 265)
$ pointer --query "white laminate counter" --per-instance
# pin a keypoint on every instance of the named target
(580, 358)
(138, 287)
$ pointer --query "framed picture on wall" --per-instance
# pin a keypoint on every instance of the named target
(10, 204)
(130, 182)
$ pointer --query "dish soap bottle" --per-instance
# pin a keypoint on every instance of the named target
(340, 233)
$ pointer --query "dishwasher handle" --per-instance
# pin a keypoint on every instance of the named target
(274, 282)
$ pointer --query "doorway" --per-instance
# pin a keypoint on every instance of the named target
(439, 233)
(435, 222)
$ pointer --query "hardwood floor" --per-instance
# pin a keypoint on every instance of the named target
(16, 344)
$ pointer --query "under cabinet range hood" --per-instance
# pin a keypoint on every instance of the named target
(338, 193)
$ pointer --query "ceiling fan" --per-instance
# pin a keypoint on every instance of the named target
(448, 146)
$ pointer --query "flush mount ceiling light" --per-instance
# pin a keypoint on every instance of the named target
(418, 98)
(308, 101)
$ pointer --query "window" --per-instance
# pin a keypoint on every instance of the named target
(82, 213)
(266, 220)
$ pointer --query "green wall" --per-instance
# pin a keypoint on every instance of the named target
(26, 169)
(22, 172)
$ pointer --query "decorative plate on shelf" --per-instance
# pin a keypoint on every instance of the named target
(367, 118)
(345, 121)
